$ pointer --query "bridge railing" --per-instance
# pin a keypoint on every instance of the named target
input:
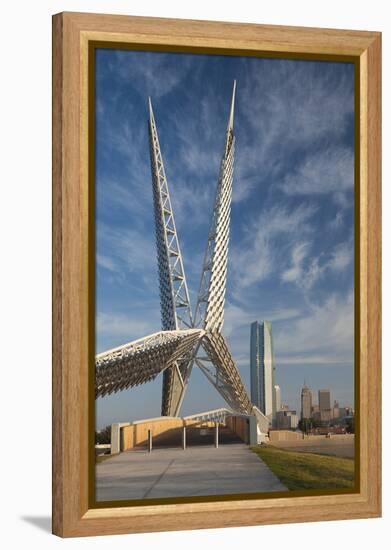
(216, 415)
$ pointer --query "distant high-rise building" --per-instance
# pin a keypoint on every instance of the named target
(286, 420)
(306, 402)
(262, 368)
(324, 405)
(315, 414)
(277, 397)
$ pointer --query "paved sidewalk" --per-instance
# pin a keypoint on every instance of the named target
(194, 472)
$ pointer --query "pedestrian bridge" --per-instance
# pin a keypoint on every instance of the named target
(217, 426)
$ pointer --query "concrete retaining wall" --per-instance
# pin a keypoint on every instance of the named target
(284, 435)
(240, 426)
(126, 436)
(136, 434)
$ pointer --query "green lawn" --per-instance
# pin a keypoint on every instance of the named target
(307, 470)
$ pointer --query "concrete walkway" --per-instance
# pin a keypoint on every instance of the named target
(173, 473)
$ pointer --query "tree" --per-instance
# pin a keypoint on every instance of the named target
(305, 425)
(103, 436)
(350, 425)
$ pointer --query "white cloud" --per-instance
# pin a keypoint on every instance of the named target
(129, 251)
(242, 189)
(337, 221)
(122, 325)
(116, 329)
(306, 275)
(190, 202)
(295, 106)
(106, 262)
(258, 255)
(152, 72)
(341, 257)
(236, 316)
(133, 197)
(324, 332)
(329, 171)
(312, 274)
(299, 253)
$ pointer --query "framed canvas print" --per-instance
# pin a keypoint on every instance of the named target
(216, 274)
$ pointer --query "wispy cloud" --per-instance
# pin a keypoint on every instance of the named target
(329, 171)
(131, 198)
(106, 262)
(130, 252)
(287, 109)
(118, 328)
(337, 221)
(237, 316)
(326, 332)
(122, 326)
(154, 74)
(260, 252)
(299, 253)
(305, 274)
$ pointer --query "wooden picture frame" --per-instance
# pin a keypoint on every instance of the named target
(72, 196)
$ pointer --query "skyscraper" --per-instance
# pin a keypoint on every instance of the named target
(262, 368)
(324, 405)
(306, 402)
(277, 397)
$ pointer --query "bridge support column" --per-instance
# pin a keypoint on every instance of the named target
(217, 435)
(184, 438)
(149, 441)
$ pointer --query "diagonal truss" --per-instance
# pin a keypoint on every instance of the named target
(221, 370)
(142, 360)
(183, 341)
(174, 295)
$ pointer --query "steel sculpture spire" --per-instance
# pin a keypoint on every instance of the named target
(216, 362)
(209, 313)
(184, 342)
(174, 295)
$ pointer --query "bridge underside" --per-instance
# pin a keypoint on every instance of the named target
(171, 352)
(142, 360)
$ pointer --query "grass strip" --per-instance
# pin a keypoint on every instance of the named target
(307, 470)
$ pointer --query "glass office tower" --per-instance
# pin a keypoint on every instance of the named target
(262, 368)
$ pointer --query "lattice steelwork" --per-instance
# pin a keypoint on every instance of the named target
(174, 295)
(183, 342)
(220, 369)
(209, 312)
(141, 361)
(218, 364)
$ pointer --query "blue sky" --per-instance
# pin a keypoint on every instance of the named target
(292, 238)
